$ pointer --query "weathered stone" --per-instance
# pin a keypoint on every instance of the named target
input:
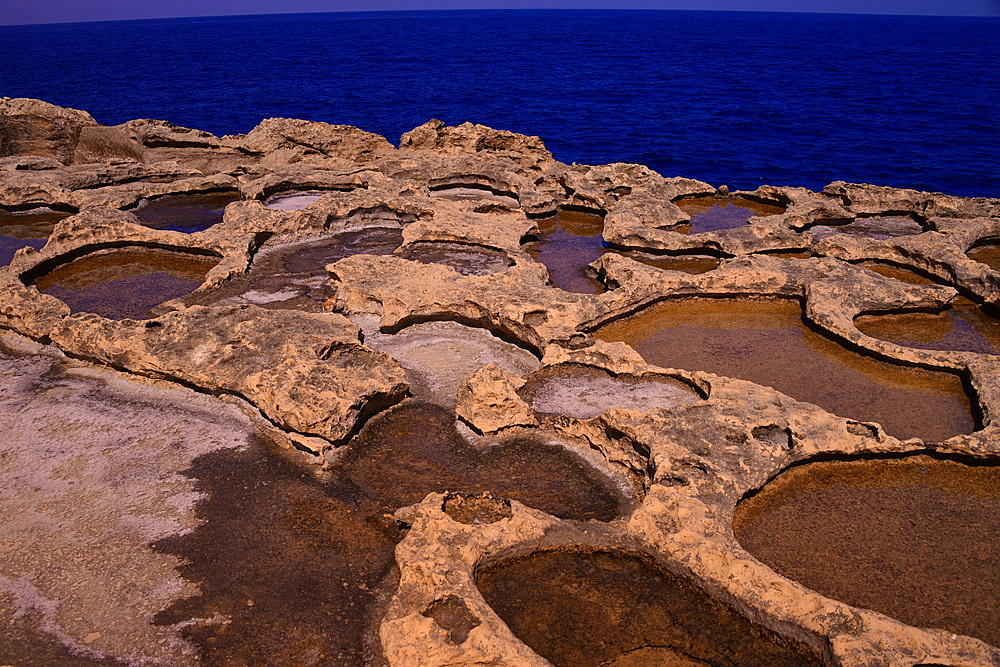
(309, 139)
(434, 135)
(33, 127)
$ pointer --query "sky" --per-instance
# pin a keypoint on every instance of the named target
(14, 12)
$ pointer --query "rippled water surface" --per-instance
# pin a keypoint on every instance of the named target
(727, 97)
(914, 538)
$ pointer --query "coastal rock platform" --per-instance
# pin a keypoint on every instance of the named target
(333, 421)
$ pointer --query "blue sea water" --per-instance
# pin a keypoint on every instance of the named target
(728, 97)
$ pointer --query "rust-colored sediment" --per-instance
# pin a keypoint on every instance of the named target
(694, 264)
(577, 607)
(294, 562)
(766, 341)
(914, 538)
(897, 273)
(127, 283)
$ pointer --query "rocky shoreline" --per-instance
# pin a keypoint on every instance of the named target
(314, 356)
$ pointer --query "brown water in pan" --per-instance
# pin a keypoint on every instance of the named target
(963, 326)
(693, 264)
(766, 341)
(713, 214)
(915, 538)
(567, 243)
(186, 213)
(289, 564)
(987, 253)
(897, 273)
(125, 283)
(577, 607)
(25, 228)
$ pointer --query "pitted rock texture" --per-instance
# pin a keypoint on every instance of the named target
(314, 324)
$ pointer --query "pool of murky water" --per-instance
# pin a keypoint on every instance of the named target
(914, 538)
(19, 229)
(988, 253)
(578, 607)
(694, 264)
(963, 326)
(290, 564)
(570, 241)
(293, 275)
(713, 214)
(125, 283)
(186, 213)
(567, 242)
(767, 342)
(899, 273)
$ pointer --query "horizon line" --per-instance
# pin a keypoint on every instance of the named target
(501, 9)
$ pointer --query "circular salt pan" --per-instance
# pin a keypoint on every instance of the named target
(583, 393)
(293, 201)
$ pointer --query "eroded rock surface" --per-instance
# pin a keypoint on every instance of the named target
(395, 317)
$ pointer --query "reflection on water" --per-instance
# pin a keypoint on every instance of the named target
(25, 228)
(126, 283)
(185, 213)
(567, 243)
(914, 538)
(713, 214)
(765, 341)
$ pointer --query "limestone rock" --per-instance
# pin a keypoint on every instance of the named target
(468, 138)
(33, 127)
(312, 139)
(488, 401)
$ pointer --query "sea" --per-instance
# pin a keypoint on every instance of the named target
(735, 98)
